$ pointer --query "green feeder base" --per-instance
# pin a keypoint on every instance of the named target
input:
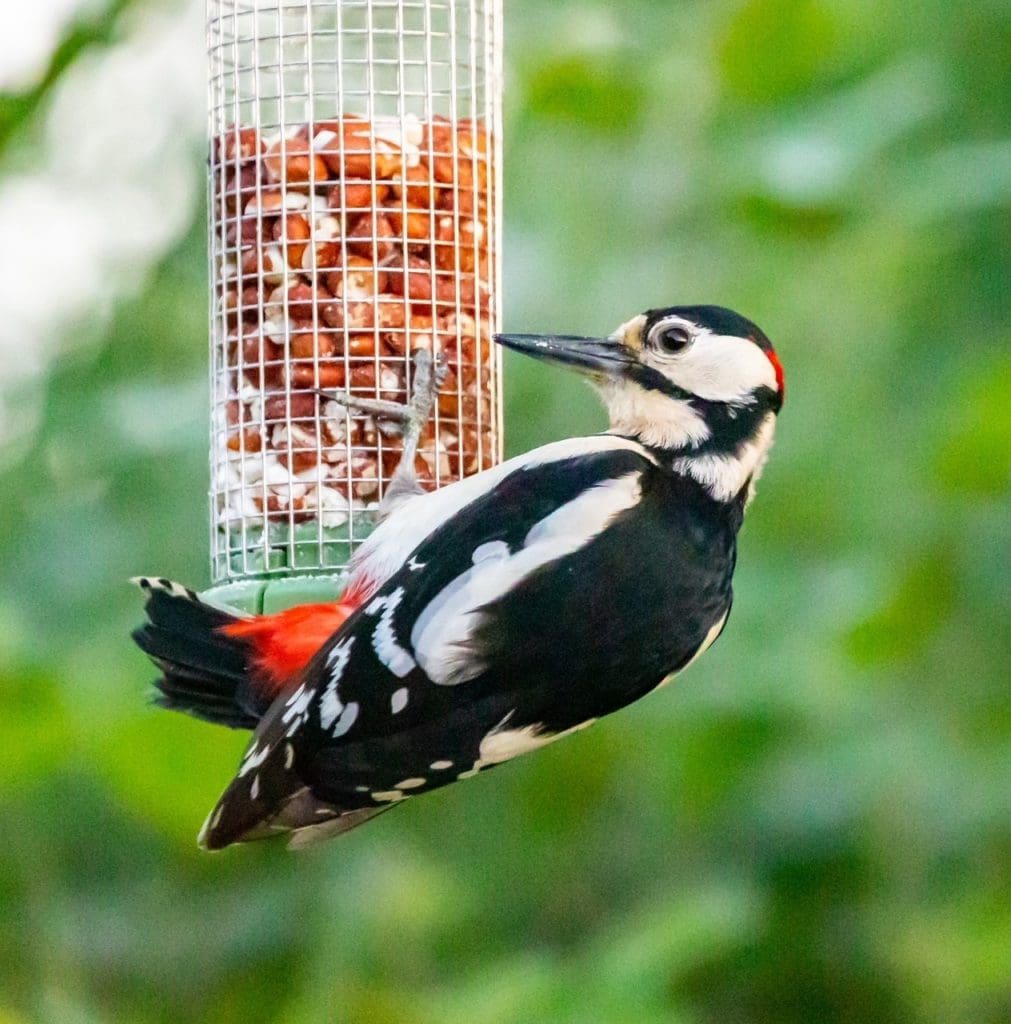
(264, 596)
(261, 564)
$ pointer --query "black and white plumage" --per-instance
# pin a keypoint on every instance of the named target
(524, 603)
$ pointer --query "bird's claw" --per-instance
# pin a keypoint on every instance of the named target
(439, 366)
(429, 375)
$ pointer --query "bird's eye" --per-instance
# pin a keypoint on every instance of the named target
(673, 339)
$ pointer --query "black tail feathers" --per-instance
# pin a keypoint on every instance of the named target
(268, 797)
(204, 670)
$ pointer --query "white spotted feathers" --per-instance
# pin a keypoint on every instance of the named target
(389, 652)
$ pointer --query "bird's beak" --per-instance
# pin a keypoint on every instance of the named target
(596, 357)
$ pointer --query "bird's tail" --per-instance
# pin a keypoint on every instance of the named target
(205, 671)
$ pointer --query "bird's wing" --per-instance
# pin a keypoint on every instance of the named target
(424, 616)
(453, 664)
(398, 687)
(387, 548)
(426, 668)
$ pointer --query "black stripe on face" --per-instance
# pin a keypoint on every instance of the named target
(732, 426)
(650, 379)
(600, 358)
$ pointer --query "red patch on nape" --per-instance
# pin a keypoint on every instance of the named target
(778, 367)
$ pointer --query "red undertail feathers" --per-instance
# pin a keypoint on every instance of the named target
(226, 669)
(281, 645)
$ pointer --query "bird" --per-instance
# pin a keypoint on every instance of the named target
(497, 614)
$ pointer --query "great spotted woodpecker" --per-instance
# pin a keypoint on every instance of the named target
(495, 615)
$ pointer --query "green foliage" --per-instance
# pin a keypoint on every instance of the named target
(96, 28)
(593, 94)
(813, 824)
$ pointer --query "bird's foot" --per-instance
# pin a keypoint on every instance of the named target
(429, 375)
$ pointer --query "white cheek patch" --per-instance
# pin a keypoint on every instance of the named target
(442, 632)
(653, 417)
(722, 368)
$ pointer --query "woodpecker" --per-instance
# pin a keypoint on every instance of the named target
(502, 612)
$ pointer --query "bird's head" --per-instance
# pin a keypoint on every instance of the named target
(700, 385)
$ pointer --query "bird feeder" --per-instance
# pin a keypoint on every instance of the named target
(354, 219)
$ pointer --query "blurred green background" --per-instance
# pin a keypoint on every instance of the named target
(813, 825)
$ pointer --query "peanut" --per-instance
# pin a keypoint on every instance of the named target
(413, 224)
(416, 182)
(247, 440)
(289, 161)
(306, 342)
(331, 375)
(370, 236)
(359, 279)
(418, 287)
(292, 229)
(337, 259)
(357, 195)
(238, 145)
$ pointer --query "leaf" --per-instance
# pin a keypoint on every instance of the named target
(598, 93)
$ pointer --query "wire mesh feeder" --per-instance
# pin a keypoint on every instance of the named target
(355, 215)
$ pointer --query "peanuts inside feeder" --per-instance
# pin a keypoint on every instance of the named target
(355, 220)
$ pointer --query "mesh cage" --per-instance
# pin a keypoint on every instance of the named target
(354, 218)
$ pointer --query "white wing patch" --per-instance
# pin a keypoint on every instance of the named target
(388, 796)
(384, 643)
(390, 544)
(442, 631)
(348, 717)
(493, 549)
(170, 587)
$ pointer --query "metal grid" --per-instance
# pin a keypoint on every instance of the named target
(354, 217)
